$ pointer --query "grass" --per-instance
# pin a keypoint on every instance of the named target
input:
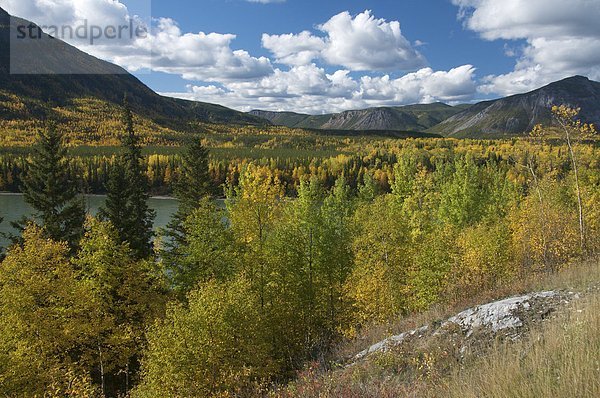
(558, 358)
(561, 359)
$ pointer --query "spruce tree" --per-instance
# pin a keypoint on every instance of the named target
(115, 205)
(191, 186)
(127, 194)
(49, 188)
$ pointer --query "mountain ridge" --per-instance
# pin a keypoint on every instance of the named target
(418, 117)
(108, 83)
(503, 117)
(515, 115)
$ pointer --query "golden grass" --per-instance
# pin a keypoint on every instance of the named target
(575, 277)
(559, 358)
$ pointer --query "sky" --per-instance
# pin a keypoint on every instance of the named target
(327, 56)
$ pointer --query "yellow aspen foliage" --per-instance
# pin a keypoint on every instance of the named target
(49, 320)
(545, 235)
(211, 347)
(483, 258)
(378, 284)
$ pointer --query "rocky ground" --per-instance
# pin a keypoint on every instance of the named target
(469, 331)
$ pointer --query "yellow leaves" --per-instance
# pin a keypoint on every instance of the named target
(537, 131)
(51, 311)
(565, 112)
(566, 117)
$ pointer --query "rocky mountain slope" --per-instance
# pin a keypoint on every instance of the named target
(504, 117)
(517, 114)
(405, 118)
(103, 81)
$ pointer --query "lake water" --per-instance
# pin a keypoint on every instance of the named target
(13, 207)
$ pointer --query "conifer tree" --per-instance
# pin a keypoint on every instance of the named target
(115, 205)
(51, 190)
(192, 185)
(127, 204)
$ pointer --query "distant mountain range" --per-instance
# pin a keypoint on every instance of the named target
(504, 117)
(406, 118)
(34, 97)
(106, 82)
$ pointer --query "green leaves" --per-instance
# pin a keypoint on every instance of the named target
(216, 344)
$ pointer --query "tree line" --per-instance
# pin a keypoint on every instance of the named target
(230, 301)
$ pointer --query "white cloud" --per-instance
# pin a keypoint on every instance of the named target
(359, 43)
(422, 86)
(367, 43)
(202, 56)
(194, 56)
(310, 89)
(292, 49)
(235, 78)
(562, 39)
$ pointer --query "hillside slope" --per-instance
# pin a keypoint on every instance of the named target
(540, 342)
(406, 118)
(517, 114)
(104, 81)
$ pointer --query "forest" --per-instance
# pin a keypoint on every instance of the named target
(321, 237)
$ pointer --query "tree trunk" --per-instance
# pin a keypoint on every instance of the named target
(578, 191)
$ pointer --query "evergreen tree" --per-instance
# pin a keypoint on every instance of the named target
(50, 189)
(192, 185)
(115, 205)
(127, 205)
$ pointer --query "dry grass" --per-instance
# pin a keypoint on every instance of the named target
(574, 277)
(561, 357)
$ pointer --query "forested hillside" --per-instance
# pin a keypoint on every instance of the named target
(29, 98)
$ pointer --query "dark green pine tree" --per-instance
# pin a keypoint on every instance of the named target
(115, 205)
(193, 184)
(52, 192)
(127, 194)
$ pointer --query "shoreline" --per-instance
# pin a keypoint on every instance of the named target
(91, 195)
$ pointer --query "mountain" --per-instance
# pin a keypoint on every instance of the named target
(405, 118)
(103, 83)
(517, 114)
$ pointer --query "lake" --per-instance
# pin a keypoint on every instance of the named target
(13, 207)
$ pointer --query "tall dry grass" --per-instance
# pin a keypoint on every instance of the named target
(559, 360)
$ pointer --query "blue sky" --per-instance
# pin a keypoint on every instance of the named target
(327, 56)
(433, 22)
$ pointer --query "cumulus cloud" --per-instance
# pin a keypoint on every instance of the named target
(358, 43)
(320, 72)
(194, 56)
(364, 42)
(202, 56)
(309, 89)
(294, 49)
(562, 39)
